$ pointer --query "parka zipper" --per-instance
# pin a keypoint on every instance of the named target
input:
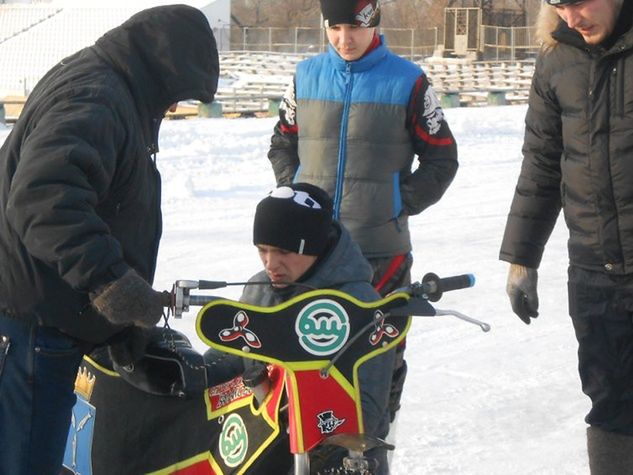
(617, 76)
(342, 152)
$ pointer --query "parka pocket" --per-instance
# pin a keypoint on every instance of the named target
(5, 343)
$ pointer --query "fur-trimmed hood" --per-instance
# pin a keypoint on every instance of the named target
(546, 22)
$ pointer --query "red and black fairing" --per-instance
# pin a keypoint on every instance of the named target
(304, 335)
(118, 429)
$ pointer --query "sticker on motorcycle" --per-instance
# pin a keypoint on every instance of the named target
(233, 441)
(328, 422)
(239, 330)
(381, 329)
(82, 423)
(322, 327)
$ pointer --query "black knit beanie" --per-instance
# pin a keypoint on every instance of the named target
(365, 13)
(296, 218)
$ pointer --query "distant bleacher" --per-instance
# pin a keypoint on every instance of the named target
(480, 82)
(256, 79)
(33, 38)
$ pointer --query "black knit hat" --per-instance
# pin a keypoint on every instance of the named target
(365, 13)
(296, 218)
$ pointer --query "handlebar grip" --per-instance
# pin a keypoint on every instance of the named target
(201, 300)
(211, 284)
(435, 286)
(456, 282)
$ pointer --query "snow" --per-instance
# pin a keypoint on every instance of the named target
(475, 403)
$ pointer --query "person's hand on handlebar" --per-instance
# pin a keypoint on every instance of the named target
(130, 300)
(521, 289)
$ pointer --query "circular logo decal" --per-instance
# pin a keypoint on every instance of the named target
(322, 327)
(233, 441)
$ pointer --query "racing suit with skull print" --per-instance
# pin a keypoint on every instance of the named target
(353, 129)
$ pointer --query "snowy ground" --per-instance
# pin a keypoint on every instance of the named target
(507, 401)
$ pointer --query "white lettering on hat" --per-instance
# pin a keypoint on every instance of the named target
(365, 16)
(302, 245)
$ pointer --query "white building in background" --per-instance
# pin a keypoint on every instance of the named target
(35, 35)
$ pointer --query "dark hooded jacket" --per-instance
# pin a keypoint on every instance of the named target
(578, 153)
(343, 268)
(79, 187)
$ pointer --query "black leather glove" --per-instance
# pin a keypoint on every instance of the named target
(521, 289)
(130, 300)
(129, 346)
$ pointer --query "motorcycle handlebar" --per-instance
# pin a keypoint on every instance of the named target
(433, 286)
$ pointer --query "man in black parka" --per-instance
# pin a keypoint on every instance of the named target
(578, 156)
(80, 218)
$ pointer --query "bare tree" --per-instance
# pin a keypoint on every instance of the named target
(276, 13)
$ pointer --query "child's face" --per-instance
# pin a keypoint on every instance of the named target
(350, 41)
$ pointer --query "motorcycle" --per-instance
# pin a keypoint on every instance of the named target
(168, 414)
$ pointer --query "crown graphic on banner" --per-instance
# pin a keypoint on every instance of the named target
(84, 383)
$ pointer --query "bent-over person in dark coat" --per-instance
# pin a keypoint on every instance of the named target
(80, 217)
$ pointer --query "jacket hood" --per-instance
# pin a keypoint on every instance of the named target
(546, 22)
(344, 264)
(166, 54)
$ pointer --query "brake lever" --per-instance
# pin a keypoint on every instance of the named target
(454, 313)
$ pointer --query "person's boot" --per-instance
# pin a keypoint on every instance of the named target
(609, 453)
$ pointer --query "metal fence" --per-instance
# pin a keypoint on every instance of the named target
(499, 43)
(496, 43)
(408, 42)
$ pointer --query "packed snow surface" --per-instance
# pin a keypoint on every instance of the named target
(504, 402)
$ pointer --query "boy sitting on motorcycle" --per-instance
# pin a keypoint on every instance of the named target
(302, 248)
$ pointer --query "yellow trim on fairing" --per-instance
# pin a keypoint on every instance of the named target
(103, 369)
(247, 464)
(189, 462)
(288, 303)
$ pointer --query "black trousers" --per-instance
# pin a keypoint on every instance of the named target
(391, 273)
(601, 308)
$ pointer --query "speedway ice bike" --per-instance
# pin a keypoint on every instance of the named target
(164, 418)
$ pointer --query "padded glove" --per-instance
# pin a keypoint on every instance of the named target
(129, 346)
(130, 300)
(521, 289)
